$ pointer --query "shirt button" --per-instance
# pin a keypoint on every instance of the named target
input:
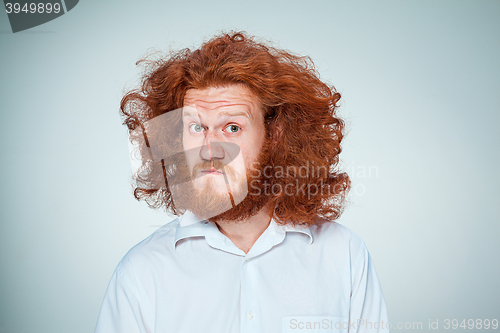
(250, 315)
(248, 259)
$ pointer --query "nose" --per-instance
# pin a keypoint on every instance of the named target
(211, 149)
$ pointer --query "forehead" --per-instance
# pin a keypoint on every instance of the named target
(220, 98)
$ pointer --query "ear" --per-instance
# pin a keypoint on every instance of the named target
(275, 131)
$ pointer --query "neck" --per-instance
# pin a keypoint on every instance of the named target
(245, 233)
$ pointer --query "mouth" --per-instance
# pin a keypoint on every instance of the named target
(211, 172)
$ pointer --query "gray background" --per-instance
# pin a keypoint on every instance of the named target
(420, 85)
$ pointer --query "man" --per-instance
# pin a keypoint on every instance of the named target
(241, 140)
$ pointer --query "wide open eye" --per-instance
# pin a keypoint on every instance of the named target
(197, 128)
(232, 128)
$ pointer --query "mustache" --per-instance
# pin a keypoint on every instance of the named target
(218, 165)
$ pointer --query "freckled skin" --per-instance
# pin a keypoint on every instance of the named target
(221, 115)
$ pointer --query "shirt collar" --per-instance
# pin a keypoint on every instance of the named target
(292, 228)
(190, 225)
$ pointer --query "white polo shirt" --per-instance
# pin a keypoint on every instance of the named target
(189, 277)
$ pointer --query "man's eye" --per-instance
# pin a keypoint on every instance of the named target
(233, 128)
(196, 128)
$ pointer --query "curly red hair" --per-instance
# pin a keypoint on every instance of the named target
(300, 118)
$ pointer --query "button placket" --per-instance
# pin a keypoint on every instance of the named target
(247, 302)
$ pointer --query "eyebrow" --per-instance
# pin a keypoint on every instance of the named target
(235, 114)
(223, 113)
(188, 113)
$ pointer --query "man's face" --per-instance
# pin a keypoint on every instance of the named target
(223, 134)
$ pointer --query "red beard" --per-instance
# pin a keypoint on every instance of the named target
(208, 203)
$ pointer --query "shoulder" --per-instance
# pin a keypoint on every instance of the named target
(156, 247)
(339, 238)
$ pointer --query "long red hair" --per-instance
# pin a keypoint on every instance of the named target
(300, 118)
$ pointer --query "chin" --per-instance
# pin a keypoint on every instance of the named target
(208, 185)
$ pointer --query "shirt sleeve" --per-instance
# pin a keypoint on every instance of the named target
(120, 309)
(368, 311)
